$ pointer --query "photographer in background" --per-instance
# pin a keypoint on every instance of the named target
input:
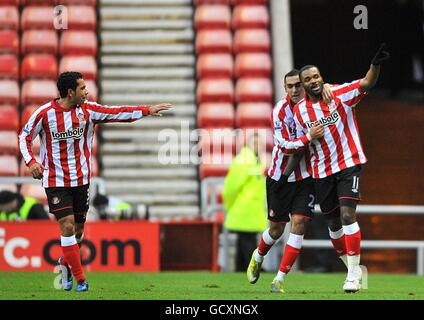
(112, 208)
(15, 207)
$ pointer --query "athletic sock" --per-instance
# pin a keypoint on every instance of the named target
(291, 251)
(338, 239)
(353, 247)
(266, 243)
(71, 253)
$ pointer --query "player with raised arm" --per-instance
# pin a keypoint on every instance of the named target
(66, 129)
(337, 157)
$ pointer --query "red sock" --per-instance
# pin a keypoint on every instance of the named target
(72, 257)
(263, 248)
(340, 245)
(353, 243)
(289, 257)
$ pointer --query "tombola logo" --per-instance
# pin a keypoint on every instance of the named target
(326, 121)
(71, 133)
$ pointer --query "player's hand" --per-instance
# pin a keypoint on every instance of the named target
(37, 171)
(154, 110)
(317, 131)
(327, 94)
(380, 56)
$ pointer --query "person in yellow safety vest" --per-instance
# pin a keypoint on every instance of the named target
(15, 207)
(244, 200)
(111, 208)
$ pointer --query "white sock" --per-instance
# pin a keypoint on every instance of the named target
(67, 241)
(344, 259)
(257, 256)
(280, 276)
(353, 268)
(268, 240)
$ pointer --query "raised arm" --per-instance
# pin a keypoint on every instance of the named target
(371, 77)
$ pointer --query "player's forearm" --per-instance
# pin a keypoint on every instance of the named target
(370, 79)
(295, 146)
(293, 163)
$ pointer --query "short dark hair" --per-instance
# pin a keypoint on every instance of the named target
(66, 81)
(304, 68)
(291, 73)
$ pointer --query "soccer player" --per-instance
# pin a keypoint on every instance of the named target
(289, 188)
(66, 128)
(337, 157)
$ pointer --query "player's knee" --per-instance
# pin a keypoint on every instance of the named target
(276, 230)
(298, 225)
(348, 215)
(67, 226)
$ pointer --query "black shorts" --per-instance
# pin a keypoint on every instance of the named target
(64, 201)
(339, 189)
(289, 198)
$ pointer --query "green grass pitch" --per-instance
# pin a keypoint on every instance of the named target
(206, 286)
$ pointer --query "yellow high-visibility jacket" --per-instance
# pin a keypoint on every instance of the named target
(244, 194)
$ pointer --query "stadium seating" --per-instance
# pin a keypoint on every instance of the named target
(9, 118)
(39, 41)
(252, 40)
(265, 135)
(40, 2)
(9, 143)
(250, 17)
(9, 67)
(219, 65)
(212, 17)
(84, 64)
(10, 2)
(215, 115)
(81, 17)
(9, 166)
(38, 92)
(36, 191)
(78, 43)
(213, 169)
(9, 42)
(217, 141)
(200, 2)
(254, 90)
(9, 17)
(82, 2)
(253, 65)
(27, 112)
(9, 92)
(213, 41)
(236, 2)
(92, 90)
(215, 90)
(253, 115)
(41, 66)
(34, 17)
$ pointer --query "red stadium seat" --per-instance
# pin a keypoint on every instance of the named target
(9, 17)
(9, 42)
(253, 115)
(215, 90)
(92, 90)
(216, 142)
(36, 191)
(81, 2)
(213, 41)
(253, 65)
(39, 66)
(39, 2)
(9, 92)
(9, 142)
(38, 92)
(84, 64)
(236, 2)
(252, 40)
(27, 112)
(39, 41)
(9, 118)
(10, 2)
(9, 67)
(38, 18)
(250, 17)
(200, 2)
(266, 138)
(213, 16)
(218, 65)
(78, 43)
(81, 18)
(215, 115)
(254, 90)
(9, 166)
(213, 170)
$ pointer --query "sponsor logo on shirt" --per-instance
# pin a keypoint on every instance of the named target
(326, 121)
(26, 129)
(70, 134)
(278, 125)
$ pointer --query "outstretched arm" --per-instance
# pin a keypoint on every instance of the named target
(371, 77)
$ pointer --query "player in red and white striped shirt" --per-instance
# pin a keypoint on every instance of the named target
(337, 157)
(66, 127)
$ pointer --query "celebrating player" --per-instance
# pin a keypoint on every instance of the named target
(337, 157)
(66, 128)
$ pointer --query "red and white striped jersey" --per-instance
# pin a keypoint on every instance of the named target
(340, 147)
(286, 142)
(66, 137)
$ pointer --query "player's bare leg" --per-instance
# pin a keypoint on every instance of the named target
(337, 236)
(353, 246)
(291, 251)
(269, 237)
